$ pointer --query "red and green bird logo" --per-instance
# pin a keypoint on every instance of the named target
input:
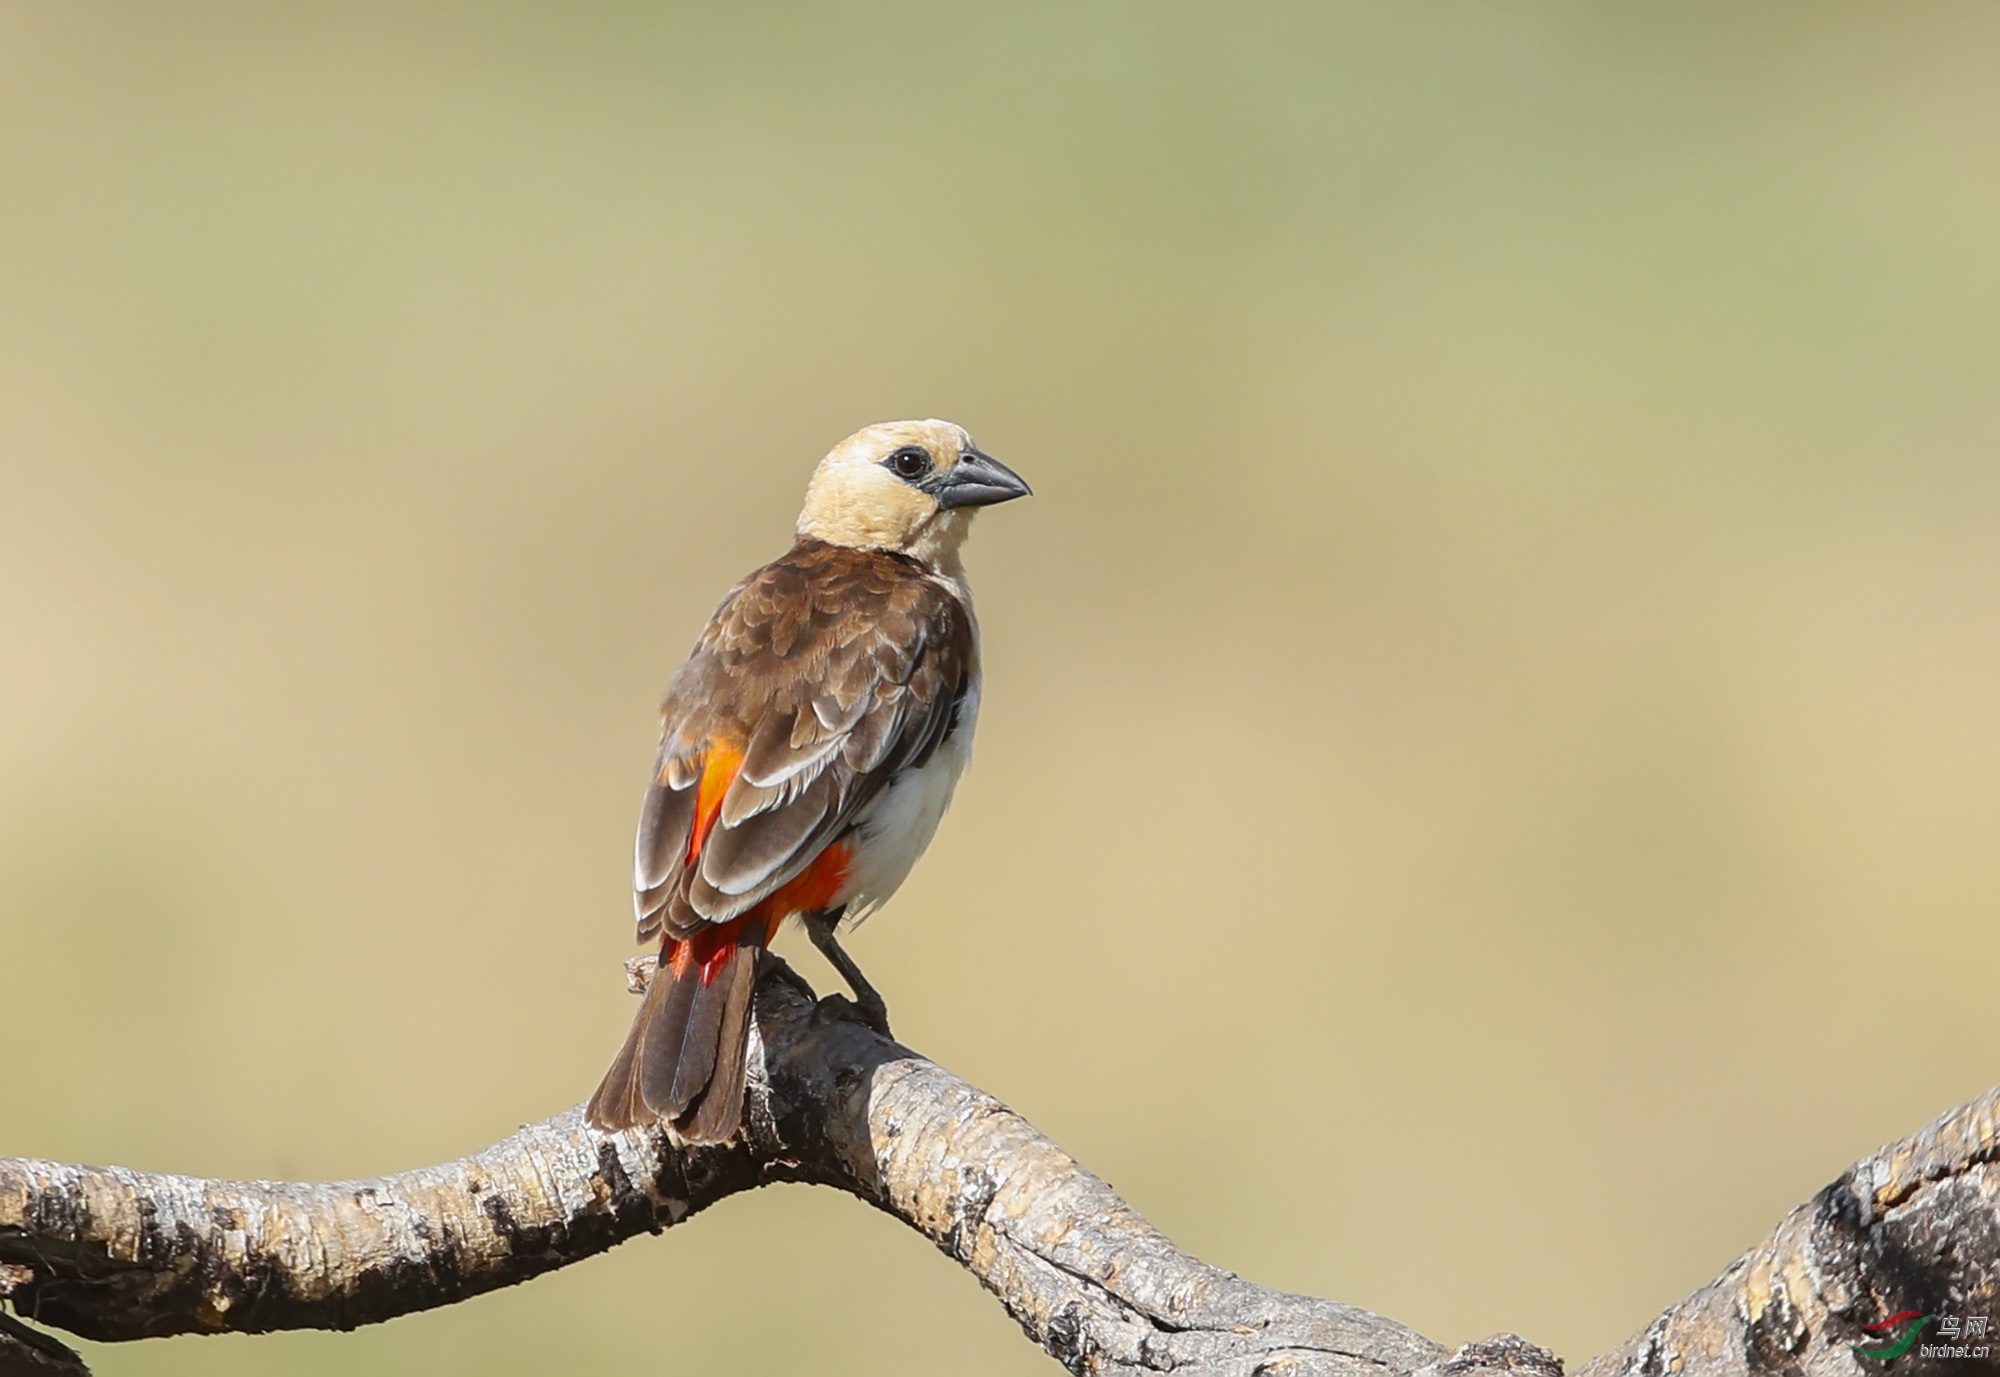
(1894, 1336)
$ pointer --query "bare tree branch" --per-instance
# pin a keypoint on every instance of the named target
(1916, 1227)
(115, 1254)
(26, 1352)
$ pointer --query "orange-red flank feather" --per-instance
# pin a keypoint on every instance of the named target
(816, 887)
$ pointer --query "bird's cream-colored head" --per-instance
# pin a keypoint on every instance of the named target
(910, 487)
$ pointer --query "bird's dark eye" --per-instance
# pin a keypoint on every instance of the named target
(911, 461)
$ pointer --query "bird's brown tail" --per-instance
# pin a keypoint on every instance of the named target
(683, 1060)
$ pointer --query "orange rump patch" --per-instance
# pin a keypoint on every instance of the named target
(815, 887)
(719, 766)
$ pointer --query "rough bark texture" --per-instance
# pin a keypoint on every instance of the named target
(26, 1352)
(115, 1254)
(1916, 1227)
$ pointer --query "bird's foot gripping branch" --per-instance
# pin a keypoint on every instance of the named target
(113, 1254)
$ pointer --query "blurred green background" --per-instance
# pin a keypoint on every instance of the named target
(1488, 789)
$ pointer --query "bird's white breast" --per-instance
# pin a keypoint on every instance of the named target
(894, 830)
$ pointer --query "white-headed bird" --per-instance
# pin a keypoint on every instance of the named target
(808, 748)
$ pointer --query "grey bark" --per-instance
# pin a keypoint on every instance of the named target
(111, 1254)
(1914, 1227)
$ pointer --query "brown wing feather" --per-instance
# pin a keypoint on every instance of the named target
(827, 671)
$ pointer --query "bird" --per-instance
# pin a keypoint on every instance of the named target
(808, 749)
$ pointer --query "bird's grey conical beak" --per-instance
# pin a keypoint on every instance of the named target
(980, 480)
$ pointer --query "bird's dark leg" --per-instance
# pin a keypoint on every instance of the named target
(874, 1012)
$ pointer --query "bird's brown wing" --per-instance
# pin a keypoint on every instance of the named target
(819, 678)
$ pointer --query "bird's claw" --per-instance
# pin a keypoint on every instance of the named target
(875, 1014)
